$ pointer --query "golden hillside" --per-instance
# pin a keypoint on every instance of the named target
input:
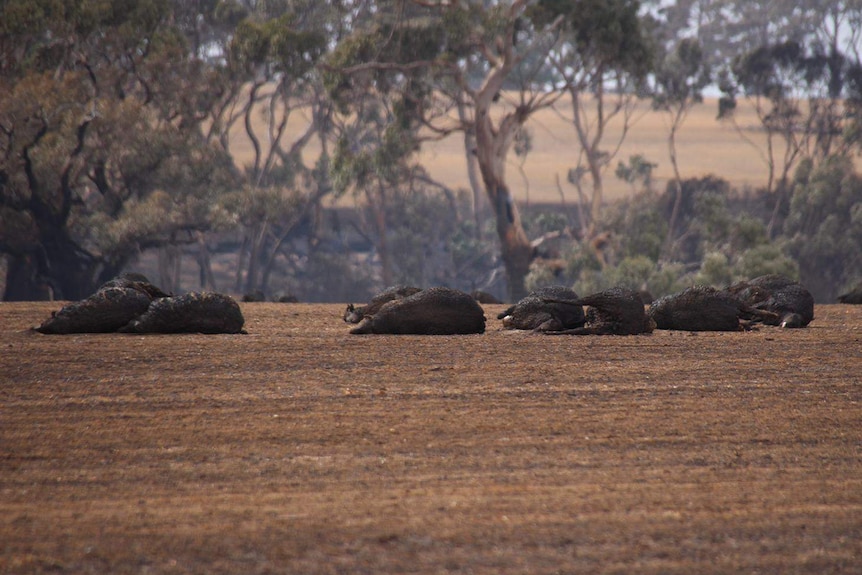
(704, 146)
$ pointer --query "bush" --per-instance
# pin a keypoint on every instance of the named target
(747, 232)
(668, 279)
(704, 216)
(765, 259)
(430, 245)
(634, 273)
(714, 271)
(824, 226)
(642, 223)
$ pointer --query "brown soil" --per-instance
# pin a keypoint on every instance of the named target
(301, 449)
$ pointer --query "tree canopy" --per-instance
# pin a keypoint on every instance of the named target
(101, 148)
(121, 123)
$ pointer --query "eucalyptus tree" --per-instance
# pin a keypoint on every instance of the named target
(680, 79)
(454, 67)
(824, 225)
(603, 56)
(268, 76)
(806, 102)
(101, 154)
(727, 28)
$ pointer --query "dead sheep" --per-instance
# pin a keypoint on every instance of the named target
(704, 308)
(854, 296)
(105, 311)
(131, 304)
(537, 312)
(787, 298)
(355, 314)
(206, 312)
(434, 311)
(616, 311)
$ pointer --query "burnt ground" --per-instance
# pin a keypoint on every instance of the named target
(301, 449)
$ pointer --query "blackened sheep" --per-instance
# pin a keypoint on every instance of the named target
(194, 312)
(356, 314)
(787, 298)
(130, 303)
(551, 308)
(434, 311)
(616, 311)
(854, 296)
(703, 308)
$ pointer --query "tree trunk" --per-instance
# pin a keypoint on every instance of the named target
(22, 282)
(517, 252)
(258, 239)
(377, 202)
(69, 272)
(205, 276)
(516, 247)
(598, 195)
(472, 171)
(677, 200)
(240, 265)
(170, 262)
(58, 270)
(493, 143)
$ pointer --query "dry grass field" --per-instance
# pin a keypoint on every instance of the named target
(299, 448)
(704, 146)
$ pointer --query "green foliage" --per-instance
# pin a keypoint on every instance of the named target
(581, 261)
(765, 259)
(722, 246)
(635, 273)
(668, 279)
(681, 77)
(349, 52)
(591, 281)
(253, 206)
(705, 219)
(278, 43)
(543, 276)
(380, 159)
(644, 223)
(714, 271)
(392, 58)
(632, 272)
(747, 232)
(824, 226)
(543, 222)
(806, 91)
(637, 170)
(608, 31)
(762, 71)
(104, 155)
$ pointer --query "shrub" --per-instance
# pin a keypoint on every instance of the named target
(765, 259)
(824, 226)
(714, 271)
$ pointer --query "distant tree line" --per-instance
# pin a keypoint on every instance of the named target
(161, 127)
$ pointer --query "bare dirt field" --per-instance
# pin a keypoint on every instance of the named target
(298, 448)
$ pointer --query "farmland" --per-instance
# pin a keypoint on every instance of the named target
(298, 448)
(704, 144)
